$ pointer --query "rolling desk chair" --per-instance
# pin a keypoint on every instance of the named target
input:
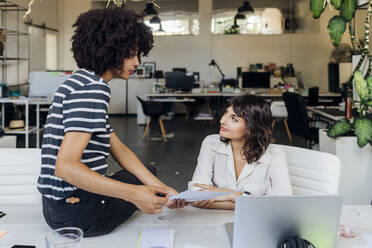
(298, 121)
(154, 110)
(314, 98)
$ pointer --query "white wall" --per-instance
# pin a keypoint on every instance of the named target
(42, 12)
(308, 51)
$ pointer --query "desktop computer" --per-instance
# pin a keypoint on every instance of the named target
(179, 81)
(256, 80)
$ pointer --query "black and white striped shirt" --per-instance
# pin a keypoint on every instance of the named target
(80, 104)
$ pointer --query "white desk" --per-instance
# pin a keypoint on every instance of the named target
(269, 95)
(26, 225)
(25, 101)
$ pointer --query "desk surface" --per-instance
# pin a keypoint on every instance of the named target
(321, 111)
(321, 94)
(29, 100)
(26, 225)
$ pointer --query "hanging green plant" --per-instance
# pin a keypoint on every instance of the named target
(336, 4)
(361, 123)
(336, 27)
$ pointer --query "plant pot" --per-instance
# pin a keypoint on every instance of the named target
(356, 167)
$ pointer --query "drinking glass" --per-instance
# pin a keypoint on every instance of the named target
(66, 237)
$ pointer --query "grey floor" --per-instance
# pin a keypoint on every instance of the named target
(175, 160)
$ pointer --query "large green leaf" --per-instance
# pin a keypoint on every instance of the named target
(369, 83)
(348, 8)
(336, 27)
(317, 7)
(340, 128)
(361, 85)
(336, 3)
(363, 130)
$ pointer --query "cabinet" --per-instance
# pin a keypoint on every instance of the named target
(120, 98)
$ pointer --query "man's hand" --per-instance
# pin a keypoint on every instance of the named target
(147, 201)
(175, 203)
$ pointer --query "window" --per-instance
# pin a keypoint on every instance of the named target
(175, 24)
(51, 51)
(262, 21)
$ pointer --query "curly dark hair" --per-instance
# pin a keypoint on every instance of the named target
(258, 119)
(103, 38)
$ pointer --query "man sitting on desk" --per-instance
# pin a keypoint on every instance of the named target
(240, 159)
(78, 138)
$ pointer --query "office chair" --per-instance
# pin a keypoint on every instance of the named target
(279, 112)
(315, 101)
(312, 172)
(298, 120)
(313, 96)
(19, 171)
(154, 110)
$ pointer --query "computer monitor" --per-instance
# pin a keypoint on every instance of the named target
(178, 81)
(256, 80)
(180, 69)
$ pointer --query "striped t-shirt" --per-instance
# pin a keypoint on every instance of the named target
(80, 104)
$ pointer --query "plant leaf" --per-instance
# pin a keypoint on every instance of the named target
(361, 85)
(348, 8)
(363, 130)
(317, 7)
(336, 27)
(340, 128)
(369, 83)
(336, 3)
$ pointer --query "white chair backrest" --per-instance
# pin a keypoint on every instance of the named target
(312, 172)
(278, 109)
(19, 171)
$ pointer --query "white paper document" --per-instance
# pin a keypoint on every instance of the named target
(156, 238)
(191, 196)
(368, 239)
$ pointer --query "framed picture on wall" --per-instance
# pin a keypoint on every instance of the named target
(140, 72)
(150, 68)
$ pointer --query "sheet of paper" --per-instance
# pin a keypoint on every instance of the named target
(194, 246)
(156, 238)
(191, 196)
(368, 239)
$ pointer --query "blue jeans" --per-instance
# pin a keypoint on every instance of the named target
(94, 214)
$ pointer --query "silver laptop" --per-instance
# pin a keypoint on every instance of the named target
(264, 221)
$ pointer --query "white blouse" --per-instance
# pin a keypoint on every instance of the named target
(268, 176)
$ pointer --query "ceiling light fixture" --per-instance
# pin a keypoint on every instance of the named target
(246, 8)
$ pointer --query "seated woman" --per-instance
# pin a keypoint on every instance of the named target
(240, 159)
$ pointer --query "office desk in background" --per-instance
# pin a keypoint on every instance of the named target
(329, 95)
(193, 226)
(330, 114)
(27, 102)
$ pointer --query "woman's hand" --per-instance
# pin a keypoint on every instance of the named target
(175, 203)
(209, 203)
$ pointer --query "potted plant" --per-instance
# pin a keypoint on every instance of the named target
(351, 139)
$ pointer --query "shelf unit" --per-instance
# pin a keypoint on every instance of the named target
(10, 18)
(14, 34)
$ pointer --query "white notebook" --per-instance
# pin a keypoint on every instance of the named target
(156, 238)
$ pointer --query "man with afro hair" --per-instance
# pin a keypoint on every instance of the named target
(107, 43)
